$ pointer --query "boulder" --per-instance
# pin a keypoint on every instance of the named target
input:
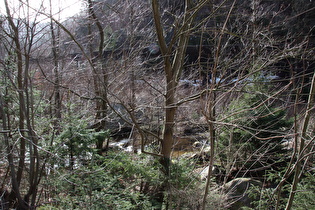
(215, 172)
(238, 191)
(200, 157)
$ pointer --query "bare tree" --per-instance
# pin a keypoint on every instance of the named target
(210, 57)
(20, 39)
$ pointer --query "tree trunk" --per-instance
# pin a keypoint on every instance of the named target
(57, 95)
(15, 192)
(22, 52)
(172, 69)
(16, 178)
(100, 76)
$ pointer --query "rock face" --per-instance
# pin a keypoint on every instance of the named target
(238, 191)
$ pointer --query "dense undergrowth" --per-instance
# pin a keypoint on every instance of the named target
(118, 180)
(121, 180)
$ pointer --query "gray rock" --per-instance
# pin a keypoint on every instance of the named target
(215, 172)
(238, 190)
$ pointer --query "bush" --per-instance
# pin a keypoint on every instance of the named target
(117, 181)
(304, 198)
(111, 182)
(256, 134)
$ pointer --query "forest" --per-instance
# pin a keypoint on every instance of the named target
(157, 104)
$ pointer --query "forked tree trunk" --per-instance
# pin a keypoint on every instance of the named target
(22, 52)
(17, 177)
(15, 193)
(173, 66)
(172, 70)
